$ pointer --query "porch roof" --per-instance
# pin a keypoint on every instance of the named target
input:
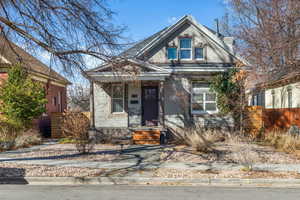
(117, 77)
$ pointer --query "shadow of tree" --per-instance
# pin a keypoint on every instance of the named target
(12, 176)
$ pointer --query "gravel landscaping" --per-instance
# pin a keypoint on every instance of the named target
(175, 173)
(62, 160)
(230, 153)
(21, 170)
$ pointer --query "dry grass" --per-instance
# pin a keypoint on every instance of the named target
(283, 141)
(28, 138)
(199, 139)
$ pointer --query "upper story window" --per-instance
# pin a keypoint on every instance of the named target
(199, 53)
(185, 48)
(172, 53)
(117, 98)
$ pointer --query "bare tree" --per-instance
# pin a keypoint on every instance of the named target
(78, 98)
(269, 33)
(67, 29)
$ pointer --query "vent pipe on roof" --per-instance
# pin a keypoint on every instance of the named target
(217, 27)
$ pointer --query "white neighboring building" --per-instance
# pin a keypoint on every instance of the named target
(282, 93)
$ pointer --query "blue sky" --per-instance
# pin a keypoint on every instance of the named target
(145, 17)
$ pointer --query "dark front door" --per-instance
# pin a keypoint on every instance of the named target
(150, 105)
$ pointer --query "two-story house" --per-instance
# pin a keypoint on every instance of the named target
(163, 81)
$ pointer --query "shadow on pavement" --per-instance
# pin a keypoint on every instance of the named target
(12, 176)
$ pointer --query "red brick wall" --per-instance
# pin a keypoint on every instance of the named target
(53, 99)
(3, 76)
(51, 91)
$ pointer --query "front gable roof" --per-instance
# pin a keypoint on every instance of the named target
(143, 47)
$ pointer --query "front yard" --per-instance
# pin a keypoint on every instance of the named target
(227, 160)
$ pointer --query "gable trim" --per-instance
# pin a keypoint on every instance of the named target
(203, 29)
(134, 61)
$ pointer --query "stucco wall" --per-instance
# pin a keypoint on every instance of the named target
(103, 115)
(212, 52)
(177, 97)
(281, 96)
(134, 104)
(176, 106)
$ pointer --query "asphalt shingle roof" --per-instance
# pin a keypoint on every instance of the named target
(15, 54)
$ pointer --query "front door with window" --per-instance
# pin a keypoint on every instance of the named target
(150, 105)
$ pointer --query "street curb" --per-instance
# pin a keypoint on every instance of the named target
(150, 181)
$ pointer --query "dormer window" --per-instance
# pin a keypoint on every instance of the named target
(199, 55)
(172, 53)
(185, 48)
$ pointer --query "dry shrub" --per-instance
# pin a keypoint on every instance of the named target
(75, 125)
(283, 141)
(8, 133)
(28, 138)
(245, 156)
(236, 138)
(199, 139)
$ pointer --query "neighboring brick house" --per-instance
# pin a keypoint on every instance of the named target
(55, 84)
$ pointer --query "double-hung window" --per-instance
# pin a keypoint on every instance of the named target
(172, 53)
(199, 53)
(185, 45)
(117, 98)
(203, 100)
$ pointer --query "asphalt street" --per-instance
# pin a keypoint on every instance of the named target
(30, 192)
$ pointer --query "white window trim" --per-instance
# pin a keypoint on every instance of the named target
(201, 59)
(123, 98)
(204, 102)
(273, 97)
(192, 52)
(176, 53)
(290, 100)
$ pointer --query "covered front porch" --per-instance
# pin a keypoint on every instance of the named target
(129, 101)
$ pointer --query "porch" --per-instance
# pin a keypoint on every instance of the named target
(130, 102)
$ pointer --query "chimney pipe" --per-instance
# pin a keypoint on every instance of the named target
(217, 27)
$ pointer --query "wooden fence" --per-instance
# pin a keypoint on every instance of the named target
(56, 120)
(258, 118)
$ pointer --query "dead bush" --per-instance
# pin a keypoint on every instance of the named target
(236, 138)
(283, 141)
(198, 138)
(8, 134)
(28, 138)
(75, 125)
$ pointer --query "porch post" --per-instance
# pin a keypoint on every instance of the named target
(92, 105)
(161, 101)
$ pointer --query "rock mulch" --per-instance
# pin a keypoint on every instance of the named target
(192, 174)
(21, 170)
(224, 153)
(230, 153)
(69, 152)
